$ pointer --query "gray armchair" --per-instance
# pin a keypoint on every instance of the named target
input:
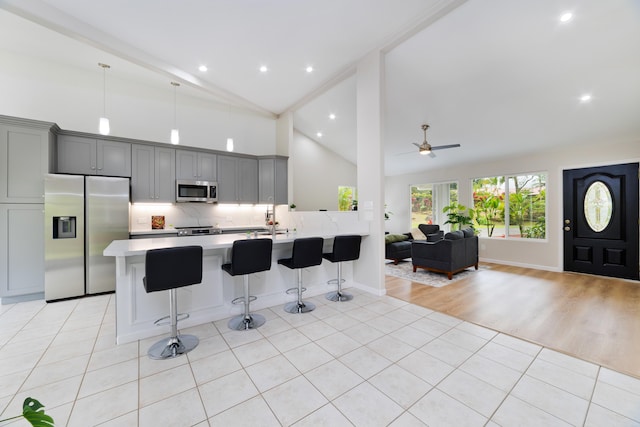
(457, 251)
(431, 231)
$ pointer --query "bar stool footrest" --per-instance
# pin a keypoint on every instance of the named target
(335, 281)
(240, 300)
(166, 320)
(295, 290)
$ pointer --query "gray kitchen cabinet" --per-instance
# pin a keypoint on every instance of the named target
(21, 251)
(196, 165)
(153, 177)
(24, 159)
(272, 181)
(237, 179)
(90, 156)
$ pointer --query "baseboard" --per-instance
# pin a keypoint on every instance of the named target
(522, 264)
(22, 298)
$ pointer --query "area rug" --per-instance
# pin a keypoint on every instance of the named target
(404, 270)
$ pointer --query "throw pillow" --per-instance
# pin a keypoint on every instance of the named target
(417, 234)
(392, 238)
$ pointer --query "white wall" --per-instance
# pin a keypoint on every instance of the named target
(538, 254)
(318, 172)
(45, 90)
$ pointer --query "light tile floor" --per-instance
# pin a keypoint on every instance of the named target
(373, 361)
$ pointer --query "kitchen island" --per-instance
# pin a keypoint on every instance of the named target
(137, 310)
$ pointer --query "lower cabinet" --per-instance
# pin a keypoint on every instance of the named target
(21, 249)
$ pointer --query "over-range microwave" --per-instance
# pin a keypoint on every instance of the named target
(196, 191)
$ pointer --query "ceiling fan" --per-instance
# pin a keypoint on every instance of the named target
(427, 149)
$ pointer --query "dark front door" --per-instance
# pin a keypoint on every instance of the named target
(601, 220)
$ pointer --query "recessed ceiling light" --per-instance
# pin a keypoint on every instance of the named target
(319, 134)
(566, 17)
(309, 69)
(263, 69)
(585, 98)
(203, 68)
(332, 116)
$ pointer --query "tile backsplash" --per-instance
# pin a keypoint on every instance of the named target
(226, 216)
(193, 214)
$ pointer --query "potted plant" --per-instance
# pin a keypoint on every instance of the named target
(458, 215)
(292, 207)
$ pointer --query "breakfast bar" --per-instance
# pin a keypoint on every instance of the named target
(136, 310)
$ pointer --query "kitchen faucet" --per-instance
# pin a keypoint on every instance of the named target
(272, 214)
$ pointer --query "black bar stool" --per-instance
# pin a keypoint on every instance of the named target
(169, 269)
(345, 248)
(248, 256)
(307, 252)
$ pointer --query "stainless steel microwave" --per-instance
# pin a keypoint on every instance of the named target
(196, 191)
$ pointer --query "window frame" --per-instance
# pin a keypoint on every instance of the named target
(438, 216)
(507, 206)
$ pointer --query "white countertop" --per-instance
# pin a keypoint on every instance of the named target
(218, 241)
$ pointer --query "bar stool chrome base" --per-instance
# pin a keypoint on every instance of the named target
(339, 296)
(242, 323)
(299, 307)
(168, 348)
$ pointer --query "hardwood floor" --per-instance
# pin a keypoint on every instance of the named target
(594, 318)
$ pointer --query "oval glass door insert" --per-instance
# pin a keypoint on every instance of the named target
(598, 206)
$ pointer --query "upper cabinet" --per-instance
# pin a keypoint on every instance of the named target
(196, 165)
(89, 156)
(272, 181)
(154, 174)
(24, 159)
(237, 179)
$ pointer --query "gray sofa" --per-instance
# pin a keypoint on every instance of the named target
(457, 251)
(397, 251)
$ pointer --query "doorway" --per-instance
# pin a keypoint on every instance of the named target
(600, 209)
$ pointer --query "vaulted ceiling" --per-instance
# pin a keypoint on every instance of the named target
(500, 78)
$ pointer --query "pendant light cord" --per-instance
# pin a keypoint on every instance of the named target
(175, 103)
(104, 87)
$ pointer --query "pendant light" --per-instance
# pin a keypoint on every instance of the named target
(103, 126)
(229, 140)
(175, 134)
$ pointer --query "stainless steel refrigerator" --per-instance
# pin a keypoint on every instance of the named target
(83, 215)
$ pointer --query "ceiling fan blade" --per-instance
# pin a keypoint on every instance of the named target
(442, 147)
(416, 144)
(432, 154)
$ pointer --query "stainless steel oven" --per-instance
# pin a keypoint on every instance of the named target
(196, 191)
